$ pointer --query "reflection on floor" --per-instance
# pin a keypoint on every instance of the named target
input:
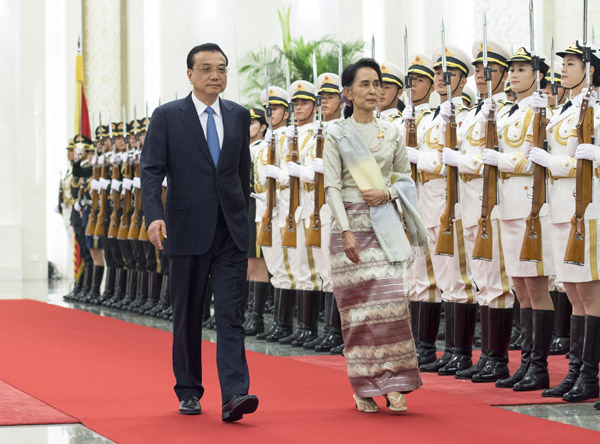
(580, 415)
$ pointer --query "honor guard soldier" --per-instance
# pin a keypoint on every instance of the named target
(276, 257)
(328, 88)
(308, 283)
(451, 270)
(494, 296)
(258, 283)
(517, 201)
(392, 87)
(565, 156)
(424, 294)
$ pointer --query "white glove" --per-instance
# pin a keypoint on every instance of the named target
(450, 157)
(101, 160)
(539, 101)
(104, 183)
(408, 114)
(272, 172)
(137, 183)
(486, 108)
(593, 97)
(77, 207)
(318, 165)
(541, 157)
(490, 157)
(95, 185)
(290, 132)
(78, 153)
(316, 126)
(127, 184)
(587, 151)
(446, 111)
(294, 169)
(413, 154)
(269, 137)
(115, 184)
(164, 182)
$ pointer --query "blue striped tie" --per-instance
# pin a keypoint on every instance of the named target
(212, 137)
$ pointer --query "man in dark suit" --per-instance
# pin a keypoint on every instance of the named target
(200, 144)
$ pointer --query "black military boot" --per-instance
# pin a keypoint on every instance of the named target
(269, 304)
(526, 326)
(480, 364)
(429, 326)
(575, 352)
(515, 338)
(256, 322)
(154, 281)
(295, 333)
(334, 339)
(465, 317)
(109, 286)
(499, 330)
(119, 290)
(86, 285)
(586, 386)
(338, 349)
(414, 306)
(310, 345)
(94, 293)
(250, 289)
(537, 377)
(78, 283)
(449, 340)
(285, 318)
(309, 323)
(562, 324)
(130, 288)
(163, 298)
(141, 291)
(276, 306)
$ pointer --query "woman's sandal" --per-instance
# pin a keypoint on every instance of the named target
(366, 405)
(395, 401)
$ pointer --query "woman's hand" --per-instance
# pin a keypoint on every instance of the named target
(374, 198)
(351, 246)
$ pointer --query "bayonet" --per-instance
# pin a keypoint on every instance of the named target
(535, 60)
(340, 64)
(407, 77)
(487, 71)
(553, 84)
(317, 96)
(447, 74)
(287, 87)
(373, 46)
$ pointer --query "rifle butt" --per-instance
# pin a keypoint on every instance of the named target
(531, 250)
(313, 235)
(575, 251)
(113, 230)
(144, 232)
(265, 233)
(288, 240)
(90, 229)
(445, 242)
(483, 243)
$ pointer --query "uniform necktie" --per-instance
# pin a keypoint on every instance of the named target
(566, 106)
(479, 105)
(212, 137)
(513, 109)
(437, 111)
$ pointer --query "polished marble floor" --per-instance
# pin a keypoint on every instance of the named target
(580, 415)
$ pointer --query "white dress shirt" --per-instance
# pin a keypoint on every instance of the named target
(203, 116)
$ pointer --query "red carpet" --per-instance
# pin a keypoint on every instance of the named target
(116, 378)
(488, 393)
(18, 408)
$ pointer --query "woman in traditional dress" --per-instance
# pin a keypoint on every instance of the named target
(366, 169)
(530, 279)
(582, 282)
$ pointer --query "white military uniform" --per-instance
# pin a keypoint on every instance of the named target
(515, 140)
(452, 273)
(561, 135)
(490, 276)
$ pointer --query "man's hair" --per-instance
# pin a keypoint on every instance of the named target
(206, 47)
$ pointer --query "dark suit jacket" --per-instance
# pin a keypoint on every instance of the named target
(176, 146)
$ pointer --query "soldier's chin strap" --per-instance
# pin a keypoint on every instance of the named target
(580, 82)
(526, 89)
(499, 81)
(455, 89)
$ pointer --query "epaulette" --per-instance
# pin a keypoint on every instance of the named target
(422, 113)
(394, 116)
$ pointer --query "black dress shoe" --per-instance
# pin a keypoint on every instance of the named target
(238, 406)
(597, 405)
(190, 405)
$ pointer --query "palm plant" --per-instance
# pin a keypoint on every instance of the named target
(298, 53)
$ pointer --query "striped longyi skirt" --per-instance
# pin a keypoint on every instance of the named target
(372, 297)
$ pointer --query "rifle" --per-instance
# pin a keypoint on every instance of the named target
(134, 226)
(93, 219)
(313, 236)
(575, 252)
(125, 216)
(113, 229)
(288, 239)
(483, 241)
(531, 250)
(265, 235)
(411, 126)
(445, 242)
(103, 211)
